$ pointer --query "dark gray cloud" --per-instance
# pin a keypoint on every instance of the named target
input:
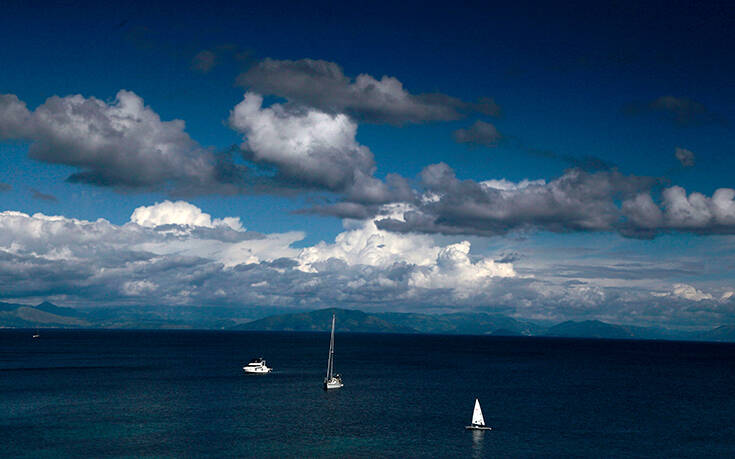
(480, 133)
(14, 117)
(143, 38)
(124, 144)
(508, 257)
(627, 271)
(323, 85)
(682, 111)
(207, 59)
(204, 61)
(218, 233)
(685, 157)
(35, 194)
(589, 163)
(578, 201)
(359, 203)
(343, 209)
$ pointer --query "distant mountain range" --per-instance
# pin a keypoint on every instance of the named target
(589, 329)
(394, 322)
(43, 315)
(48, 315)
(320, 320)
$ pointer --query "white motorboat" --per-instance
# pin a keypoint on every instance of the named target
(257, 366)
(332, 381)
(478, 422)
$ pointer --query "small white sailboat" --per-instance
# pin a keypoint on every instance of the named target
(37, 334)
(257, 366)
(478, 422)
(332, 381)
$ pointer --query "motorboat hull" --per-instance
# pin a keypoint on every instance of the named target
(259, 371)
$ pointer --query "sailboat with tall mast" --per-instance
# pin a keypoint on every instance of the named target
(332, 381)
(478, 422)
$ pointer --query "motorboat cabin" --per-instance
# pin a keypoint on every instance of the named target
(257, 366)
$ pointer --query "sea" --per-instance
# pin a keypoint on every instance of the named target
(88, 393)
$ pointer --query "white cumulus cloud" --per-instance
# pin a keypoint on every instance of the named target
(307, 144)
(180, 213)
(454, 269)
(689, 292)
(134, 288)
(448, 267)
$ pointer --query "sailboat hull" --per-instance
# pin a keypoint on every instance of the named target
(478, 428)
(332, 384)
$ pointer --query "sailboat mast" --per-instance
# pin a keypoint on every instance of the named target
(331, 352)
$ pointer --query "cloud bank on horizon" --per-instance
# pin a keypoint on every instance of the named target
(173, 253)
(187, 257)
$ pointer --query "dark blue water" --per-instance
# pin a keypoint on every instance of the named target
(183, 393)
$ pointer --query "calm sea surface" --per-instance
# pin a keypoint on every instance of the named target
(183, 393)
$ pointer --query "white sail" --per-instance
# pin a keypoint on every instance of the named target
(330, 364)
(477, 419)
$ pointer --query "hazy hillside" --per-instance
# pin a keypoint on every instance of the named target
(588, 329)
(43, 315)
(49, 315)
(722, 333)
(464, 323)
(320, 320)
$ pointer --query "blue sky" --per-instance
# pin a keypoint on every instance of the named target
(573, 188)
